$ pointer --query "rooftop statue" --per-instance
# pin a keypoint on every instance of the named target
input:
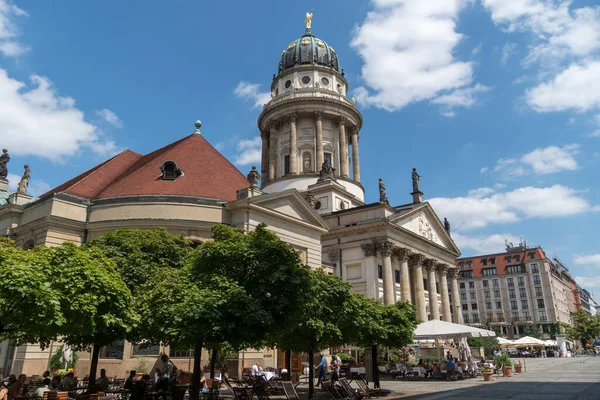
(24, 183)
(4, 159)
(446, 225)
(382, 193)
(308, 20)
(253, 177)
(415, 180)
(326, 172)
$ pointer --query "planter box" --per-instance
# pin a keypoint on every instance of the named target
(518, 369)
(487, 377)
(508, 371)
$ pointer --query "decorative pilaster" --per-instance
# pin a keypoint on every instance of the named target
(433, 301)
(319, 123)
(293, 145)
(264, 163)
(403, 255)
(334, 255)
(369, 249)
(343, 147)
(355, 161)
(442, 270)
(417, 265)
(453, 274)
(388, 278)
(272, 149)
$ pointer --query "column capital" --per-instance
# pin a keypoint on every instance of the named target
(401, 253)
(369, 249)
(291, 116)
(452, 273)
(442, 269)
(318, 115)
(386, 248)
(273, 124)
(417, 260)
(334, 254)
(429, 264)
(341, 120)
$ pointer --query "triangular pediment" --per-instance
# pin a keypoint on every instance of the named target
(423, 221)
(291, 204)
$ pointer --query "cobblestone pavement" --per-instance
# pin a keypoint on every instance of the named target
(545, 378)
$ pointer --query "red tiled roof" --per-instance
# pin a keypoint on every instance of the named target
(207, 173)
(89, 184)
(500, 261)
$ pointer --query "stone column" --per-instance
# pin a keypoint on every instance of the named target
(343, 148)
(272, 149)
(370, 252)
(443, 271)
(355, 161)
(453, 274)
(402, 255)
(417, 265)
(264, 163)
(319, 122)
(388, 273)
(293, 145)
(433, 301)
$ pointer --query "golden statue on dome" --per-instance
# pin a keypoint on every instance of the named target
(308, 20)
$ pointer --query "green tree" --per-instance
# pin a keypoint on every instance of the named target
(489, 344)
(585, 327)
(94, 299)
(140, 254)
(30, 309)
(535, 331)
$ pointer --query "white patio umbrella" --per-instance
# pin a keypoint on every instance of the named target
(504, 342)
(550, 343)
(529, 341)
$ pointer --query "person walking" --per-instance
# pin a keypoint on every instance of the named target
(336, 364)
(322, 367)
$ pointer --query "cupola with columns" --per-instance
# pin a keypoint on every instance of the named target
(309, 121)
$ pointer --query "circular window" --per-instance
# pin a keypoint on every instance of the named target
(306, 80)
(325, 81)
(317, 205)
(288, 84)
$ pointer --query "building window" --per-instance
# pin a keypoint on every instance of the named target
(510, 282)
(467, 319)
(521, 281)
(514, 269)
(538, 291)
(526, 316)
(498, 305)
(534, 268)
(471, 285)
(486, 294)
(512, 294)
(495, 282)
(514, 305)
(472, 295)
(463, 296)
(532, 255)
(461, 285)
(493, 261)
(461, 265)
(522, 292)
(488, 305)
(170, 171)
(175, 353)
(485, 283)
(488, 271)
(497, 293)
(540, 303)
(543, 316)
(515, 316)
(484, 261)
(516, 258)
(466, 274)
(524, 304)
(327, 158)
(536, 280)
(141, 350)
(474, 306)
(380, 272)
(397, 276)
(113, 351)
(286, 165)
(475, 318)
(469, 264)
(465, 307)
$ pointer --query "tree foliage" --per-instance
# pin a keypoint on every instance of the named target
(585, 327)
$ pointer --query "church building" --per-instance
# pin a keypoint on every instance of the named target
(308, 192)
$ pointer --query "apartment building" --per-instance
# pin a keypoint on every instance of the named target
(515, 289)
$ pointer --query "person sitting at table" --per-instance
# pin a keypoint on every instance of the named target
(138, 390)
(17, 387)
(55, 383)
(39, 393)
(256, 369)
(103, 382)
(68, 381)
(129, 381)
(45, 375)
(449, 356)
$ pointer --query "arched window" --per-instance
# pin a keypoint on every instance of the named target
(170, 171)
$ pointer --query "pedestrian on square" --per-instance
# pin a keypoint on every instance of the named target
(138, 390)
(336, 364)
(322, 367)
(129, 381)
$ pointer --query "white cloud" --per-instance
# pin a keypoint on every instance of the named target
(461, 97)
(507, 51)
(589, 282)
(483, 244)
(110, 117)
(542, 161)
(576, 88)
(36, 120)
(35, 188)
(483, 170)
(251, 92)
(449, 114)
(250, 151)
(509, 167)
(9, 46)
(408, 52)
(481, 192)
(480, 209)
(587, 259)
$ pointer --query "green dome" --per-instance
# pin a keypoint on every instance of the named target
(308, 49)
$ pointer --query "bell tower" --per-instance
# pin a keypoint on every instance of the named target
(309, 124)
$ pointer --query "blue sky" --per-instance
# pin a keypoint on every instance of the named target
(495, 102)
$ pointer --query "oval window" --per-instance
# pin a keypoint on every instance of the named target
(288, 83)
(317, 205)
(306, 80)
(325, 81)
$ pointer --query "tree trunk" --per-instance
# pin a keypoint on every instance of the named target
(375, 367)
(213, 362)
(288, 362)
(311, 373)
(94, 364)
(195, 390)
